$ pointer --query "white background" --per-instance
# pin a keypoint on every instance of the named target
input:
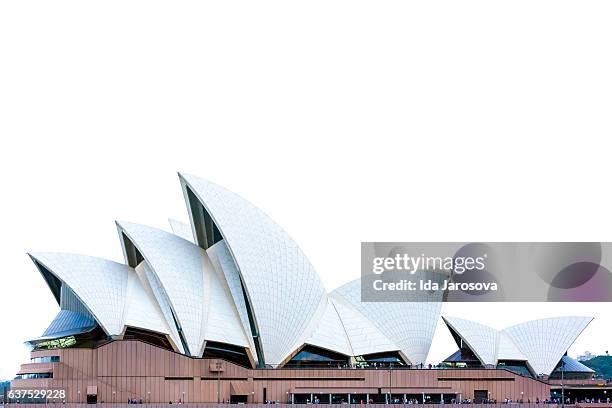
(346, 121)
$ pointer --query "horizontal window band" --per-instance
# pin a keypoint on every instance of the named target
(475, 379)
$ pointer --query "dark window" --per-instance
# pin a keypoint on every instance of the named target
(207, 233)
(386, 359)
(32, 376)
(235, 354)
(254, 332)
(133, 254)
(312, 357)
(518, 367)
(238, 399)
(46, 359)
(156, 339)
(480, 396)
(462, 358)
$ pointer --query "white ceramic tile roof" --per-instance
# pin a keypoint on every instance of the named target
(181, 229)
(481, 339)
(329, 333)
(409, 325)
(222, 322)
(283, 288)
(99, 284)
(112, 292)
(171, 264)
(224, 263)
(507, 350)
(152, 284)
(542, 343)
(142, 310)
(178, 265)
(545, 341)
(363, 335)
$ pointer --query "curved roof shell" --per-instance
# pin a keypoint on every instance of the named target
(109, 292)
(282, 289)
(507, 350)
(178, 266)
(363, 335)
(408, 325)
(330, 333)
(184, 280)
(542, 343)
(181, 229)
(545, 341)
(225, 265)
(106, 299)
(481, 339)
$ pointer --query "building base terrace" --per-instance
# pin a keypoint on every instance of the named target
(223, 405)
(132, 370)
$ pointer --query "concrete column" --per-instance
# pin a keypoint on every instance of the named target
(367, 398)
(330, 401)
(292, 398)
(442, 398)
(311, 398)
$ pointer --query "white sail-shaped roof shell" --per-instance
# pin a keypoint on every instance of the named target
(363, 335)
(507, 350)
(222, 321)
(481, 339)
(329, 332)
(224, 264)
(181, 229)
(111, 292)
(283, 288)
(410, 326)
(152, 285)
(99, 284)
(545, 341)
(542, 343)
(185, 279)
(141, 309)
(221, 324)
(178, 265)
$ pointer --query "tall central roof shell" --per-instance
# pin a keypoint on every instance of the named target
(282, 290)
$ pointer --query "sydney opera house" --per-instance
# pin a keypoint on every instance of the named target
(227, 308)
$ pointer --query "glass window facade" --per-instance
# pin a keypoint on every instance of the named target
(33, 376)
(385, 359)
(518, 367)
(64, 342)
(46, 359)
(312, 357)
